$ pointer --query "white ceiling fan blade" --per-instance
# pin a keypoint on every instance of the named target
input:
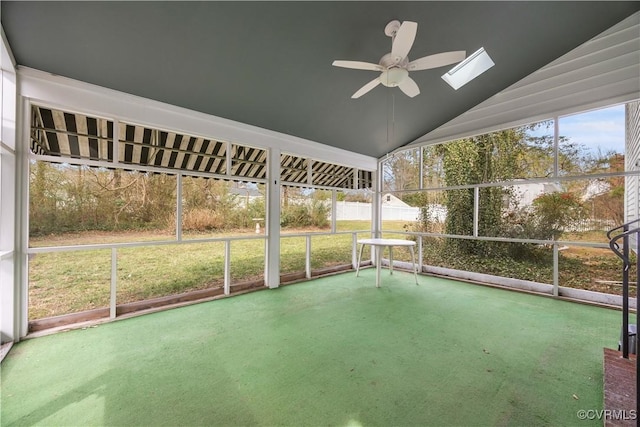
(409, 87)
(357, 65)
(366, 88)
(437, 60)
(403, 40)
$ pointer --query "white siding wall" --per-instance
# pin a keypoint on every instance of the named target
(632, 160)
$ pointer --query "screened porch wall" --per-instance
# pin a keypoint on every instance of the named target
(103, 165)
(459, 230)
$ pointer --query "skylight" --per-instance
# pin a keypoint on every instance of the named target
(475, 64)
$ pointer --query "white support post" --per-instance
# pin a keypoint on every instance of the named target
(114, 283)
(22, 219)
(272, 275)
(8, 292)
(227, 267)
(114, 256)
(421, 171)
(556, 276)
(307, 257)
(229, 158)
(9, 196)
(376, 207)
(334, 204)
(376, 221)
(377, 252)
(266, 260)
(556, 132)
(179, 207)
(476, 210)
(8, 253)
(116, 142)
(420, 254)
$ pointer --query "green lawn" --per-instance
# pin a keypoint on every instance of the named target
(69, 282)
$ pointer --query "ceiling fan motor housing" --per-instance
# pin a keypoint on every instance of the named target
(388, 61)
(395, 72)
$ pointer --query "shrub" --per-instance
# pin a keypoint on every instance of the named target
(305, 215)
(199, 219)
(295, 215)
(557, 211)
(319, 214)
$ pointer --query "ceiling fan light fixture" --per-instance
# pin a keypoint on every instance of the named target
(469, 69)
(393, 76)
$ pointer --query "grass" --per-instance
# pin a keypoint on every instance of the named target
(578, 266)
(155, 271)
(68, 282)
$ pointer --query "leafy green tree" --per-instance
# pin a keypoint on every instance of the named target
(511, 154)
(609, 204)
(557, 211)
(486, 158)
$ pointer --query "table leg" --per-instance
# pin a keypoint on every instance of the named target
(359, 259)
(413, 260)
(390, 259)
(378, 263)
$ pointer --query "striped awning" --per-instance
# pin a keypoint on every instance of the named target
(57, 133)
(294, 169)
(78, 136)
(332, 175)
(303, 171)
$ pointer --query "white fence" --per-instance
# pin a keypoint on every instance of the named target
(362, 211)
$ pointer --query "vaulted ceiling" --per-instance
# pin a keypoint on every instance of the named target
(268, 64)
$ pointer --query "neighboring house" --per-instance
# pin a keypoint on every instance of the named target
(389, 199)
(523, 195)
(394, 209)
(245, 194)
(594, 189)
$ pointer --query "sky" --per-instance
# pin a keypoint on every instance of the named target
(602, 129)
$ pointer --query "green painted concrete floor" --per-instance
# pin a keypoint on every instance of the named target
(331, 351)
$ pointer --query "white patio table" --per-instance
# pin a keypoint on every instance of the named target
(378, 246)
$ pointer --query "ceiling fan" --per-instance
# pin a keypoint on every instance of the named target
(394, 67)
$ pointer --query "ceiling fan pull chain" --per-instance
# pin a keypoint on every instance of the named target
(393, 119)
